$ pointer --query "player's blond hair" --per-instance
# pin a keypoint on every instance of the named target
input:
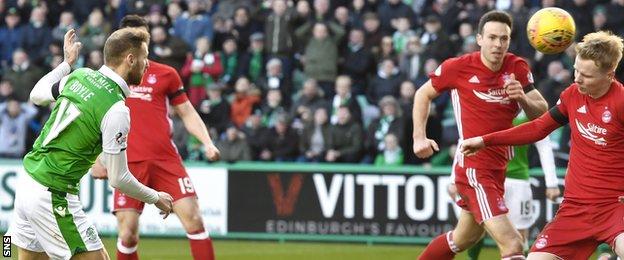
(604, 48)
(122, 42)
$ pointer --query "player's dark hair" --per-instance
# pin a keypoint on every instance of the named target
(133, 21)
(494, 16)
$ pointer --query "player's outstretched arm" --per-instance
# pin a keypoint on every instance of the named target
(43, 92)
(423, 147)
(547, 159)
(526, 133)
(195, 126)
(115, 127)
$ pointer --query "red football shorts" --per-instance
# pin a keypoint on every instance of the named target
(578, 229)
(162, 175)
(481, 192)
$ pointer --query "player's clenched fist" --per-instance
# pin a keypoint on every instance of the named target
(211, 152)
(424, 148)
(471, 146)
(164, 203)
(514, 89)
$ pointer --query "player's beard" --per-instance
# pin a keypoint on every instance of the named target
(135, 75)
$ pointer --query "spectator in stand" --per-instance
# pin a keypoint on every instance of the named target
(233, 146)
(412, 59)
(475, 10)
(94, 32)
(282, 146)
(372, 33)
(246, 99)
(581, 11)
(6, 90)
(193, 23)
(256, 135)
(174, 11)
(357, 11)
(387, 82)
(14, 118)
(244, 27)
(406, 102)
(156, 17)
(201, 69)
(229, 61)
(36, 36)
(321, 11)
(436, 42)
(66, 22)
(309, 100)
(520, 43)
(95, 60)
(390, 10)
(252, 63)
(344, 97)
(279, 33)
(167, 49)
(390, 121)
(314, 138)
(276, 79)
(558, 80)
(23, 75)
(320, 59)
(11, 36)
(402, 34)
(358, 61)
(386, 51)
(392, 154)
(215, 110)
(615, 19)
(272, 108)
(449, 12)
(345, 138)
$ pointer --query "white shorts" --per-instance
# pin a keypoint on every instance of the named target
(50, 222)
(519, 200)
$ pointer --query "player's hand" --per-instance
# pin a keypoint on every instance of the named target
(164, 203)
(211, 152)
(553, 193)
(621, 199)
(98, 171)
(452, 190)
(425, 147)
(471, 146)
(71, 47)
(514, 89)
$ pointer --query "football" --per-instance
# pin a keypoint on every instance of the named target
(551, 30)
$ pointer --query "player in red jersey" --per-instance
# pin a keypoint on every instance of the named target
(590, 213)
(488, 88)
(153, 158)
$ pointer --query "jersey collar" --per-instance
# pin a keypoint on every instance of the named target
(108, 72)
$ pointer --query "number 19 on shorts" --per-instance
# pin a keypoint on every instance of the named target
(185, 185)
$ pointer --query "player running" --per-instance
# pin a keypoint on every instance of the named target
(590, 213)
(154, 160)
(518, 193)
(89, 118)
(488, 89)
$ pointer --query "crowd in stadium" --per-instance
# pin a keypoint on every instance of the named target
(275, 80)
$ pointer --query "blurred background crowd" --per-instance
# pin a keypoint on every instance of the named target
(276, 80)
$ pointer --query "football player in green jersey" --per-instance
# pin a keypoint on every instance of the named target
(89, 118)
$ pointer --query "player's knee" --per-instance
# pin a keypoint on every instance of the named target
(194, 222)
(128, 236)
(465, 242)
(512, 245)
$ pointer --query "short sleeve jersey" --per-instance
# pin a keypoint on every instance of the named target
(480, 102)
(151, 133)
(73, 136)
(597, 144)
